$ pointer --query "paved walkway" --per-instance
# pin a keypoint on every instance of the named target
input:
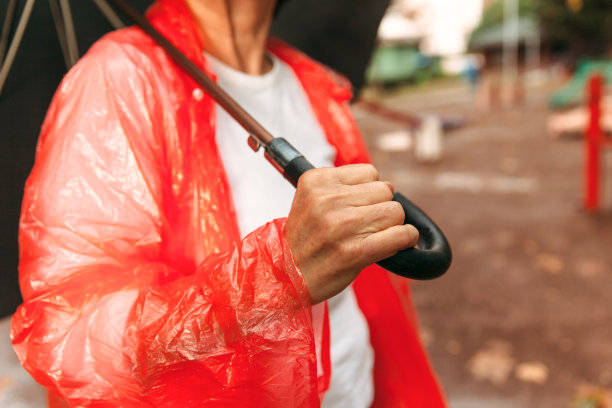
(17, 389)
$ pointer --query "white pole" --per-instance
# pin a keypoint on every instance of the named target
(510, 43)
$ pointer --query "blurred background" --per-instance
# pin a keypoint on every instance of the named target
(495, 116)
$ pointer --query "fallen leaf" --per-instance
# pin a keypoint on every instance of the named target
(454, 348)
(493, 363)
(549, 263)
(590, 268)
(5, 384)
(532, 372)
(590, 396)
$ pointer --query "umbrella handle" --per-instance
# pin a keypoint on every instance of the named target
(430, 260)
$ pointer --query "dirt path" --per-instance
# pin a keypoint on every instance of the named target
(524, 317)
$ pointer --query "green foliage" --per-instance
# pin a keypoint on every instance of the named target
(494, 14)
(587, 32)
(590, 401)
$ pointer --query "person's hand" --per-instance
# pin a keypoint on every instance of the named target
(342, 220)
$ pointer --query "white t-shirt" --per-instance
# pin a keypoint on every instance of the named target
(277, 100)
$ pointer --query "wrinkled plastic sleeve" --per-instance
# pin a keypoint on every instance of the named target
(122, 307)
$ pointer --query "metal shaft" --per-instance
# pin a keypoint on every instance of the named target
(6, 28)
(109, 13)
(10, 56)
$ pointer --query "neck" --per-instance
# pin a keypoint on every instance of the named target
(235, 31)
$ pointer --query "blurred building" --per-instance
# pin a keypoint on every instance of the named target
(416, 34)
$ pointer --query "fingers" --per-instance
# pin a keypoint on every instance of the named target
(388, 242)
(344, 175)
(341, 220)
(356, 174)
(351, 185)
(369, 193)
(377, 217)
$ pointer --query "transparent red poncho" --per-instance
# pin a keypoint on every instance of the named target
(138, 291)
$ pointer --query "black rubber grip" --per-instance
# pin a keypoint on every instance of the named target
(296, 168)
(432, 257)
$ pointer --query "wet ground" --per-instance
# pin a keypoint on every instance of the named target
(524, 316)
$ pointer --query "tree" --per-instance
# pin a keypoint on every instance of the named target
(583, 27)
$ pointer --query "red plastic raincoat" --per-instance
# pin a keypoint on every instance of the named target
(137, 288)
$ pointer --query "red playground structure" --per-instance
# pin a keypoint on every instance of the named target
(596, 140)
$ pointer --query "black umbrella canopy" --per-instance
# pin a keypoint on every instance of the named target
(38, 67)
(339, 33)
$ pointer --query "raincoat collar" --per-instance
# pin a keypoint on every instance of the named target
(173, 19)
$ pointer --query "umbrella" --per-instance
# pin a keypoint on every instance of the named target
(340, 34)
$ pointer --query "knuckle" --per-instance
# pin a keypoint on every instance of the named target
(383, 189)
(370, 171)
(303, 185)
(395, 212)
(308, 180)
